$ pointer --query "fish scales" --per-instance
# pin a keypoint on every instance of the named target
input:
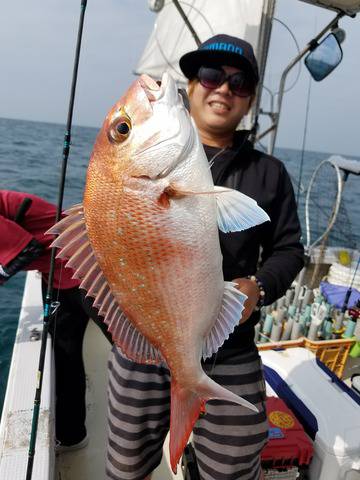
(156, 248)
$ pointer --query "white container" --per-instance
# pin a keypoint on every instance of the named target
(337, 440)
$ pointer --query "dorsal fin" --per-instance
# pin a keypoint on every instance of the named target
(75, 246)
(229, 316)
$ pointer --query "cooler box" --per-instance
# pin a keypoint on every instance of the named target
(327, 408)
(289, 447)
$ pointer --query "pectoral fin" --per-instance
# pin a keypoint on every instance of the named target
(237, 211)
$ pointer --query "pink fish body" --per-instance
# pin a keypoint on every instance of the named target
(145, 245)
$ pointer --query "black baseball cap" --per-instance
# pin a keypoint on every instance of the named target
(221, 50)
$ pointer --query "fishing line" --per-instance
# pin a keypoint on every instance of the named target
(298, 51)
(55, 306)
(48, 300)
(271, 93)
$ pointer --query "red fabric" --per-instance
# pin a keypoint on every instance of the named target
(37, 220)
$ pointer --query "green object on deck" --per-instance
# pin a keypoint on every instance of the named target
(355, 350)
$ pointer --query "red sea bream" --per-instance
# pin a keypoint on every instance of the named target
(145, 245)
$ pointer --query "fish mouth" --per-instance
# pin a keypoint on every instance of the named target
(150, 87)
(164, 91)
(166, 97)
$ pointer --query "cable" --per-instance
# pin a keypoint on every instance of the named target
(272, 94)
(304, 142)
(298, 51)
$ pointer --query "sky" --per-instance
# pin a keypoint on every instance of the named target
(37, 44)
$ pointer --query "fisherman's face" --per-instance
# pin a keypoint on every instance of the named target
(218, 110)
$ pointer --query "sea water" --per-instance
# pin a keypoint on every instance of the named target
(30, 160)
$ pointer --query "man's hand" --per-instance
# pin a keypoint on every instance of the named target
(251, 290)
(3, 275)
(27, 255)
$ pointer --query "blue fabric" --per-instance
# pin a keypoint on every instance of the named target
(300, 410)
(335, 294)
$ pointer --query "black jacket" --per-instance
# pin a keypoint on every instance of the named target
(272, 250)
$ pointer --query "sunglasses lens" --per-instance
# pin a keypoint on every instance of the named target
(211, 77)
(240, 85)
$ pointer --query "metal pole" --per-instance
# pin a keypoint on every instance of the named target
(187, 22)
(309, 47)
(262, 54)
(47, 303)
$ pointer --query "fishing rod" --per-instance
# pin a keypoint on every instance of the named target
(49, 311)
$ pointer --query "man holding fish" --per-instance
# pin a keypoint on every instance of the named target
(179, 298)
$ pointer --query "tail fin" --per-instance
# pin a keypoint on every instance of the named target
(186, 406)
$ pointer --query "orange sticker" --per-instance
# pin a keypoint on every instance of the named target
(281, 419)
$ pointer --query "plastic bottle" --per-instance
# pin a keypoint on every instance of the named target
(288, 328)
(276, 332)
(327, 328)
(267, 325)
(297, 330)
(312, 333)
(307, 298)
(280, 303)
(289, 296)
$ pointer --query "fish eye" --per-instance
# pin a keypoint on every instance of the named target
(120, 128)
(123, 128)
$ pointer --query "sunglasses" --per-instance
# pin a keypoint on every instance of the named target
(239, 82)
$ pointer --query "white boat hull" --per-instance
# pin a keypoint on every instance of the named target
(16, 418)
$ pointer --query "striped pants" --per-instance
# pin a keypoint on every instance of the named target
(228, 440)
